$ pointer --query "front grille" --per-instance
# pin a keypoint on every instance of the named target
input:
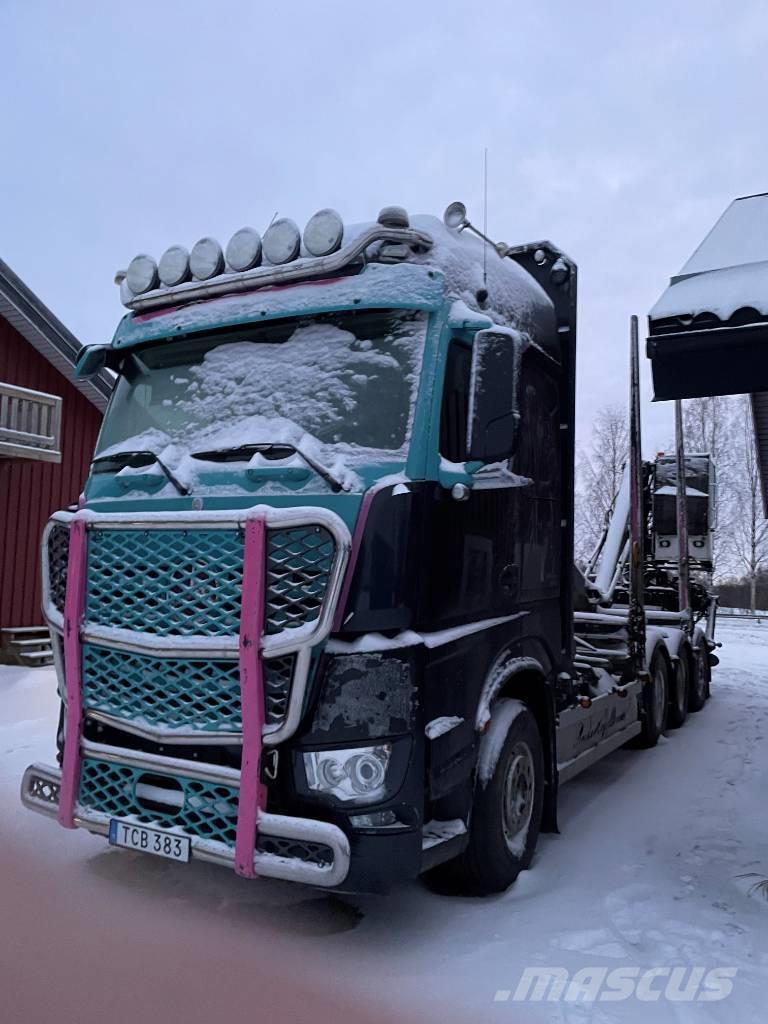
(58, 554)
(188, 582)
(198, 695)
(166, 582)
(299, 849)
(209, 809)
(299, 564)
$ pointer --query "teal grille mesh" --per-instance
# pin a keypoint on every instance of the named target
(188, 582)
(299, 563)
(58, 553)
(208, 809)
(200, 695)
(166, 582)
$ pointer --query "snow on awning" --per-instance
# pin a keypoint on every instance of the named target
(708, 333)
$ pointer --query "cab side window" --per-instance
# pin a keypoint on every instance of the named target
(455, 407)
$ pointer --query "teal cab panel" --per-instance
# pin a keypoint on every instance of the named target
(302, 395)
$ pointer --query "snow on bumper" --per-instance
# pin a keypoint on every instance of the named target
(40, 790)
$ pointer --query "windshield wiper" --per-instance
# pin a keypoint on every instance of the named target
(136, 460)
(270, 450)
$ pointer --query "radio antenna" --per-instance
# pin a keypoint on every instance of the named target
(485, 216)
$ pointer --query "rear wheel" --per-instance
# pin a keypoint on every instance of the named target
(679, 697)
(507, 806)
(655, 701)
(699, 691)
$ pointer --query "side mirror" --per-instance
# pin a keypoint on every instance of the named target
(91, 361)
(493, 412)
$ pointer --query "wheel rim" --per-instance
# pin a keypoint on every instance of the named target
(518, 798)
(659, 698)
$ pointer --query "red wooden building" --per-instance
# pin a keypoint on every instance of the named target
(48, 427)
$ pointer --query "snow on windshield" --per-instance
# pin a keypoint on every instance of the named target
(345, 381)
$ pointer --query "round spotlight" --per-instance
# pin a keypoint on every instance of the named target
(282, 241)
(455, 215)
(141, 275)
(244, 249)
(206, 259)
(323, 233)
(394, 217)
(174, 266)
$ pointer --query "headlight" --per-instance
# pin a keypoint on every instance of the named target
(355, 774)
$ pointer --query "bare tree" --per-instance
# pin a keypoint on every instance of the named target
(599, 475)
(748, 527)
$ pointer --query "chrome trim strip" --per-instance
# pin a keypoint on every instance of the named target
(151, 762)
(272, 731)
(187, 737)
(260, 277)
(266, 865)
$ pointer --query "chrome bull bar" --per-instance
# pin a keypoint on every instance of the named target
(41, 787)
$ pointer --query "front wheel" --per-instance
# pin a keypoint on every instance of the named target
(508, 803)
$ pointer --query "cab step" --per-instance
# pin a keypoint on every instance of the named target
(26, 645)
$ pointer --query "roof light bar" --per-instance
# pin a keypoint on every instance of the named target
(202, 273)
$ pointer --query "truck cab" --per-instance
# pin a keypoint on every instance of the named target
(313, 617)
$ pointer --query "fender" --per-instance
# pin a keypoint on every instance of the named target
(525, 679)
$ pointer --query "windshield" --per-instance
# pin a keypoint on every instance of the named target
(346, 380)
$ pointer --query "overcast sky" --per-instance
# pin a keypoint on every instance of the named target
(618, 131)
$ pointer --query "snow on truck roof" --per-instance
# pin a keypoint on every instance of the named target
(415, 262)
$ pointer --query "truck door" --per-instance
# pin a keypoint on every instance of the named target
(497, 551)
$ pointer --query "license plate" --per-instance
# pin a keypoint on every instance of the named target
(149, 840)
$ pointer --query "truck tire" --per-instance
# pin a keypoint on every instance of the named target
(680, 689)
(506, 808)
(699, 691)
(655, 701)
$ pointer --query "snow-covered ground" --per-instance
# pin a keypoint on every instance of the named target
(654, 868)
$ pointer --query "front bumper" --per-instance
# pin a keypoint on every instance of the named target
(40, 789)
